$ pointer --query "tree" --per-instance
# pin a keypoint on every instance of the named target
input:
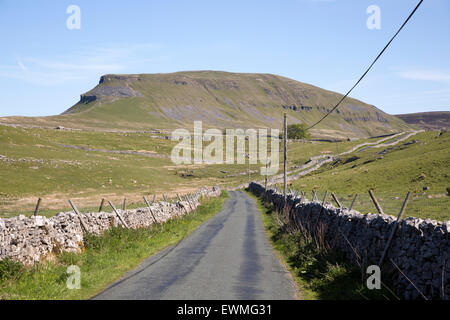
(298, 131)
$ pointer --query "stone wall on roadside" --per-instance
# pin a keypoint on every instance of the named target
(420, 248)
(29, 240)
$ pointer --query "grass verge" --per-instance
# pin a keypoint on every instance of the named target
(105, 259)
(318, 274)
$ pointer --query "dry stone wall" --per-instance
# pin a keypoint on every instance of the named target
(420, 248)
(29, 240)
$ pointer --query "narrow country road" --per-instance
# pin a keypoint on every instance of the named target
(227, 257)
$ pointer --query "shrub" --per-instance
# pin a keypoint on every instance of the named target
(298, 131)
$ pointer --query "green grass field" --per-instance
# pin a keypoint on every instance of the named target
(33, 163)
(37, 162)
(422, 165)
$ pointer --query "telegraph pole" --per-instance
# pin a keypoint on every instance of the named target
(265, 180)
(285, 159)
(247, 155)
(249, 171)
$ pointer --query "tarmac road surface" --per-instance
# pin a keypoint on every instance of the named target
(227, 257)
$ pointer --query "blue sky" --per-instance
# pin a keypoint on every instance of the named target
(44, 66)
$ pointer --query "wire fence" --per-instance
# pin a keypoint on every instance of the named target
(9, 208)
(424, 206)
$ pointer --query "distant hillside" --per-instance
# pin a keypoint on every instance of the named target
(428, 120)
(219, 99)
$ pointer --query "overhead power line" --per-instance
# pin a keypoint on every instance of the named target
(370, 67)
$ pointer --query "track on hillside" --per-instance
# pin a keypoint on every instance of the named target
(318, 161)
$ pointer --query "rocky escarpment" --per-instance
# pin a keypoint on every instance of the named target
(109, 91)
(30, 240)
(420, 248)
(110, 86)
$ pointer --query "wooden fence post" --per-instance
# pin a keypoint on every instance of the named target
(119, 215)
(375, 201)
(192, 199)
(151, 211)
(189, 196)
(124, 206)
(353, 202)
(301, 196)
(336, 200)
(187, 199)
(314, 193)
(265, 178)
(154, 198)
(394, 228)
(101, 205)
(36, 210)
(324, 198)
(179, 200)
(83, 225)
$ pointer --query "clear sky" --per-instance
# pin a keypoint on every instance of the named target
(44, 66)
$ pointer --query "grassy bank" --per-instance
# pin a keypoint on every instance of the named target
(419, 165)
(105, 259)
(49, 164)
(319, 274)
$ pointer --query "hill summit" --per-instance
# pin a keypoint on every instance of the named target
(222, 100)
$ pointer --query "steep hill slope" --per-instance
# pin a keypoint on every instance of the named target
(220, 99)
(428, 120)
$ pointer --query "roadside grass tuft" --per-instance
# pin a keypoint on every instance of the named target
(104, 259)
(320, 274)
(10, 269)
